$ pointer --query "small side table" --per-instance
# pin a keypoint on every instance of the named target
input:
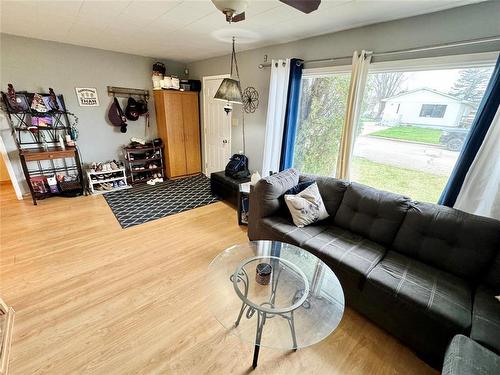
(243, 203)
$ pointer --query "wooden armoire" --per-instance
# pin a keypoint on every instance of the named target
(178, 123)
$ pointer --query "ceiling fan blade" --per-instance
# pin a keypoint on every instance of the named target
(306, 6)
(238, 17)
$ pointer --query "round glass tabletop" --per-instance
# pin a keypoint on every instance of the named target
(282, 291)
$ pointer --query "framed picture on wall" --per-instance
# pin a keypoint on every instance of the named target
(87, 96)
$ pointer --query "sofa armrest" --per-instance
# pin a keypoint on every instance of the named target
(486, 319)
(264, 198)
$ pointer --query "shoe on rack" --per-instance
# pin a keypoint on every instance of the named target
(113, 165)
(98, 167)
(107, 186)
(151, 182)
(121, 183)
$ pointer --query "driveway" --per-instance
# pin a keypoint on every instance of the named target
(420, 157)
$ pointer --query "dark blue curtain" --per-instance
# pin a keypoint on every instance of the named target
(292, 113)
(485, 114)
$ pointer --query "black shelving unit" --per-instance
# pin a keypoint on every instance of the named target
(144, 157)
(40, 150)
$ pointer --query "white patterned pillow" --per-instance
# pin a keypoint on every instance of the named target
(307, 206)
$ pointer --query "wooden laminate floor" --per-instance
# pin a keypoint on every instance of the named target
(92, 298)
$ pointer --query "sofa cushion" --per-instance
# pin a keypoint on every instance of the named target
(433, 291)
(466, 357)
(449, 239)
(492, 278)
(486, 319)
(284, 230)
(373, 213)
(346, 251)
(269, 190)
(421, 305)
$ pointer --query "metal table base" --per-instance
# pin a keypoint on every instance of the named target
(262, 316)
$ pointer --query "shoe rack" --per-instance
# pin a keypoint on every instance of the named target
(102, 182)
(144, 163)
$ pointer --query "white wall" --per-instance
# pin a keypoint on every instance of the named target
(35, 65)
(410, 106)
(464, 23)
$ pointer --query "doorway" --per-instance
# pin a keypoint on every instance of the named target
(216, 128)
(8, 179)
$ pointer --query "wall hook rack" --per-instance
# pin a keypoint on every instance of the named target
(126, 92)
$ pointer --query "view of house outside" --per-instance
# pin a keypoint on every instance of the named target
(411, 131)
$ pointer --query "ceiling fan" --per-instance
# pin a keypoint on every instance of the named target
(234, 10)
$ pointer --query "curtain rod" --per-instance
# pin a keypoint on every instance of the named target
(409, 50)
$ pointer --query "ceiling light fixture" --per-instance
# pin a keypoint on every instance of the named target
(230, 88)
(234, 10)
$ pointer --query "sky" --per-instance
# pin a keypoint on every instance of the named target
(441, 80)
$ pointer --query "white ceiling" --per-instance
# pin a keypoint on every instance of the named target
(189, 30)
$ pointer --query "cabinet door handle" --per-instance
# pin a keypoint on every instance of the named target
(224, 141)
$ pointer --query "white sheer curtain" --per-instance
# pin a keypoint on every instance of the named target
(360, 64)
(275, 122)
(480, 193)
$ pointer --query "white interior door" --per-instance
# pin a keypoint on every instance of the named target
(217, 128)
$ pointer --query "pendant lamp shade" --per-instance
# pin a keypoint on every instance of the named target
(229, 91)
(230, 88)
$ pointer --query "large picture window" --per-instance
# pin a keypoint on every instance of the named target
(415, 117)
(414, 121)
(321, 118)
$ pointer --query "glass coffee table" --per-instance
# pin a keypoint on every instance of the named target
(294, 301)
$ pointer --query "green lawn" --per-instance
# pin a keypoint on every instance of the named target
(420, 186)
(410, 133)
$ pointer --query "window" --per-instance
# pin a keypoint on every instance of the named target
(415, 117)
(411, 147)
(433, 110)
(321, 119)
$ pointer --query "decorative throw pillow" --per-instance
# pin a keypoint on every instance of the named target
(299, 187)
(293, 190)
(306, 207)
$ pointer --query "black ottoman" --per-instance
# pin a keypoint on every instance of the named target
(226, 188)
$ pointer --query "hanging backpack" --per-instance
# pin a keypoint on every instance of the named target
(237, 167)
(116, 116)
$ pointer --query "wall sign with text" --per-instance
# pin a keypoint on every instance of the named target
(87, 96)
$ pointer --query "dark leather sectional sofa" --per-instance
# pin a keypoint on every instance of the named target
(422, 271)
